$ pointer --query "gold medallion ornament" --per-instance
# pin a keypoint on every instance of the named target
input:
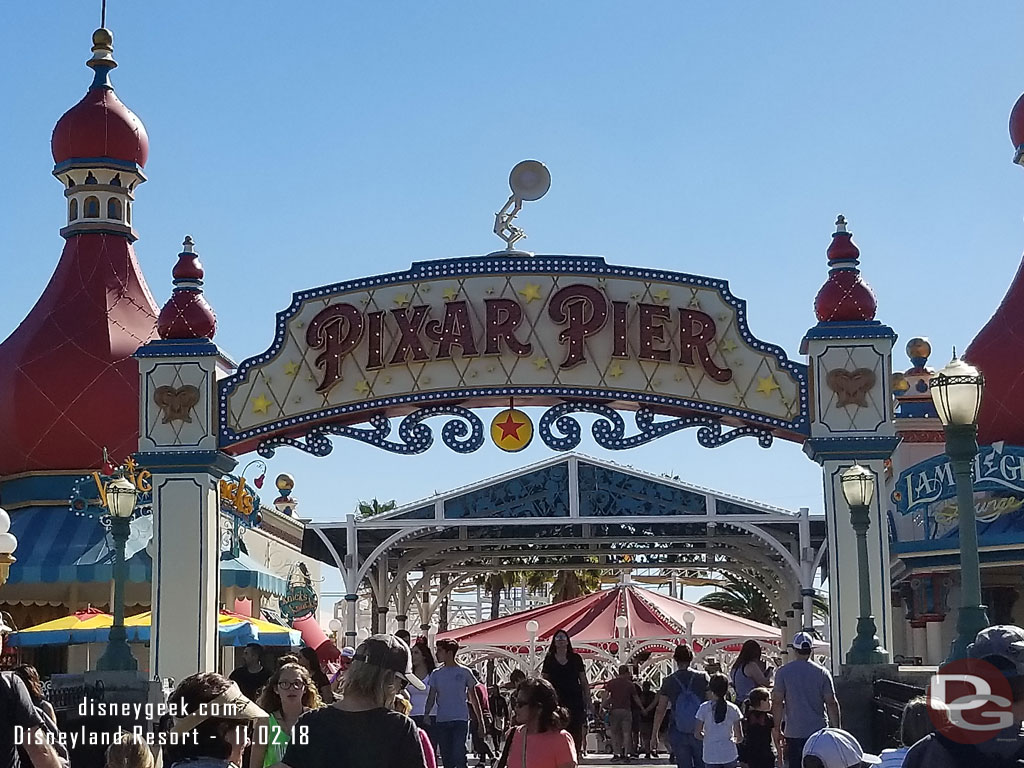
(511, 430)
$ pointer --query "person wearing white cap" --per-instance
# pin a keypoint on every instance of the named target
(16, 709)
(361, 730)
(803, 694)
(834, 748)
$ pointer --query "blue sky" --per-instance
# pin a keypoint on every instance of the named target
(302, 144)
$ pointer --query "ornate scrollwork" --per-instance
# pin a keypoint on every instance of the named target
(609, 430)
(463, 434)
(558, 429)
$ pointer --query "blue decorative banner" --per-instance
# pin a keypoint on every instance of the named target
(998, 468)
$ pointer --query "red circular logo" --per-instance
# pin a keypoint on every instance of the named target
(969, 701)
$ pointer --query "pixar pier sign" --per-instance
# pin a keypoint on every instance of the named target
(543, 330)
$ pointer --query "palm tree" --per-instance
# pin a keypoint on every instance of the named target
(374, 507)
(741, 599)
(568, 585)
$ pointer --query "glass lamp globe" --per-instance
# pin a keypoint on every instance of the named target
(858, 486)
(532, 627)
(956, 391)
(121, 497)
(689, 617)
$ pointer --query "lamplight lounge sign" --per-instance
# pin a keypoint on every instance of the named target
(544, 329)
(998, 468)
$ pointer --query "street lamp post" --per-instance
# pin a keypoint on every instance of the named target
(8, 543)
(121, 495)
(956, 391)
(858, 489)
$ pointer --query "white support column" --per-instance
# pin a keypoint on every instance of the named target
(178, 445)
(851, 422)
(844, 573)
(919, 640)
(351, 574)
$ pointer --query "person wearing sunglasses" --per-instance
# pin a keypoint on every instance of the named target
(289, 693)
(541, 741)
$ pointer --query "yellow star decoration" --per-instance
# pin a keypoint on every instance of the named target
(694, 302)
(766, 385)
(424, 288)
(490, 290)
(291, 369)
(300, 324)
(492, 368)
(539, 362)
(450, 294)
(387, 379)
(531, 292)
(401, 299)
(424, 380)
(634, 297)
(297, 400)
(362, 387)
(615, 369)
(728, 345)
(261, 404)
(661, 296)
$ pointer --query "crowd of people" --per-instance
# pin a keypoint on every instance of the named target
(401, 706)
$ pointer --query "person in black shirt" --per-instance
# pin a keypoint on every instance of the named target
(251, 676)
(563, 668)
(361, 730)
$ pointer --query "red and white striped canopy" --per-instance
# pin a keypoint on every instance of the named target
(590, 620)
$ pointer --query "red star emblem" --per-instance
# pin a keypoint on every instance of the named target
(510, 428)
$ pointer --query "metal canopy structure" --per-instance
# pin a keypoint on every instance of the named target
(571, 512)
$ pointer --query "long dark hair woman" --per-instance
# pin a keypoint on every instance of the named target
(540, 742)
(361, 730)
(309, 659)
(30, 677)
(423, 665)
(748, 672)
(563, 668)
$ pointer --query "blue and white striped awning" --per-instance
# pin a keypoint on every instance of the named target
(56, 545)
(243, 572)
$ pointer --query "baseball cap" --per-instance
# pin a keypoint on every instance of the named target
(229, 705)
(802, 641)
(1002, 643)
(389, 652)
(837, 749)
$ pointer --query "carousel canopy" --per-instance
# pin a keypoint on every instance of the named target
(590, 620)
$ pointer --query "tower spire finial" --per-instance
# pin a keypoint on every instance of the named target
(103, 14)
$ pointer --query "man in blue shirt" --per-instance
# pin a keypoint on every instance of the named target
(451, 688)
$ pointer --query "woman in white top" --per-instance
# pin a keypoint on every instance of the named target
(422, 666)
(719, 725)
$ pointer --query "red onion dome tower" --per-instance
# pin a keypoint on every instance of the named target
(998, 349)
(187, 315)
(70, 384)
(844, 297)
